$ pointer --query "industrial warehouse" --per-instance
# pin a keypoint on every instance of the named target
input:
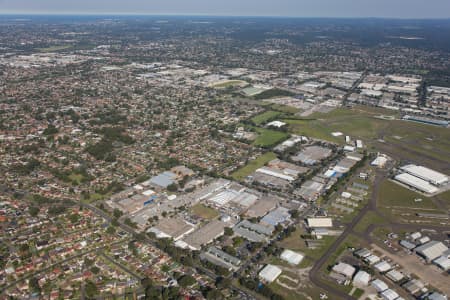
(423, 179)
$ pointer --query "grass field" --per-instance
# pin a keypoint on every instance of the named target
(267, 138)
(265, 117)
(76, 178)
(55, 48)
(272, 93)
(368, 219)
(296, 243)
(284, 108)
(313, 129)
(253, 165)
(392, 194)
(408, 140)
(229, 83)
(204, 212)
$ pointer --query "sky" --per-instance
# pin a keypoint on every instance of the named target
(289, 8)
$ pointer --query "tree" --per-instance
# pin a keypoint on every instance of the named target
(73, 218)
(114, 222)
(33, 210)
(186, 280)
(223, 282)
(91, 289)
(50, 130)
(117, 213)
(214, 294)
(228, 231)
(294, 213)
(33, 285)
(172, 187)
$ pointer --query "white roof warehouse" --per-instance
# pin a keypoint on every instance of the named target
(416, 182)
(431, 250)
(426, 174)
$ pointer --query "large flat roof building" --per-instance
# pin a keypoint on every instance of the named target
(319, 222)
(221, 258)
(164, 179)
(417, 183)
(172, 228)
(312, 154)
(205, 235)
(426, 174)
(253, 232)
(277, 216)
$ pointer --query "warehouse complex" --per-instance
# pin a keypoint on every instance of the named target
(422, 179)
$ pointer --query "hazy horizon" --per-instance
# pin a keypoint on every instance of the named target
(400, 9)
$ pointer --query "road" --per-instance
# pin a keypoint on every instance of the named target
(121, 266)
(314, 274)
(133, 232)
(50, 267)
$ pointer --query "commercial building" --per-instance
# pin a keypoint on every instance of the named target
(443, 261)
(292, 257)
(362, 253)
(431, 250)
(435, 296)
(372, 259)
(344, 269)
(362, 278)
(253, 232)
(277, 216)
(389, 295)
(382, 267)
(380, 161)
(221, 258)
(275, 173)
(261, 207)
(414, 286)
(205, 235)
(379, 285)
(407, 245)
(173, 228)
(310, 190)
(312, 155)
(269, 273)
(163, 180)
(395, 276)
(319, 222)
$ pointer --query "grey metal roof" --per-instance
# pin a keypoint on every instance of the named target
(164, 179)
